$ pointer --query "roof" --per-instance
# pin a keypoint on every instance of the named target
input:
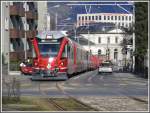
(96, 27)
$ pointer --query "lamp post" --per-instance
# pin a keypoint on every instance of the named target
(25, 22)
(87, 12)
(133, 57)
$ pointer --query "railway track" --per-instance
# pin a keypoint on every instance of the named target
(70, 103)
(56, 105)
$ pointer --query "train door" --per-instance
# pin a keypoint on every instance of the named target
(70, 56)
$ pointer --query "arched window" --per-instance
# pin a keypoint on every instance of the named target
(99, 51)
(116, 54)
(108, 53)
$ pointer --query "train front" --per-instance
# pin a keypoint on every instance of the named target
(47, 66)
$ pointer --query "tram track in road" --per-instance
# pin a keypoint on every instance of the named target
(56, 102)
(83, 106)
(50, 100)
(119, 82)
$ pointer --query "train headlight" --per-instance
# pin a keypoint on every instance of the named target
(50, 60)
(49, 66)
(62, 64)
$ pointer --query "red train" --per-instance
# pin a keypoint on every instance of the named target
(58, 57)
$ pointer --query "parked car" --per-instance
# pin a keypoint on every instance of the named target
(105, 67)
(26, 67)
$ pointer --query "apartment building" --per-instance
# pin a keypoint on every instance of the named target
(19, 25)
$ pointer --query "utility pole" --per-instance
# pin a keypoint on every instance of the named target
(133, 57)
(56, 16)
(87, 12)
(25, 30)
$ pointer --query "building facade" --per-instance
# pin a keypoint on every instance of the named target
(109, 44)
(43, 16)
(119, 19)
(19, 25)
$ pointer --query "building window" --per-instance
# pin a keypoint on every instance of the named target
(108, 40)
(115, 17)
(115, 54)
(119, 24)
(126, 25)
(79, 17)
(99, 52)
(116, 40)
(89, 17)
(129, 24)
(99, 40)
(122, 17)
(108, 17)
(112, 18)
(99, 17)
(122, 24)
(126, 17)
(119, 17)
(85, 17)
(82, 17)
(6, 24)
(129, 17)
(104, 17)
(92, 17)
(96, 17)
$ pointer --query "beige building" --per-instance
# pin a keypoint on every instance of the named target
(108, 44)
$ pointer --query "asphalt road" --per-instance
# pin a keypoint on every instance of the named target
(86, 84)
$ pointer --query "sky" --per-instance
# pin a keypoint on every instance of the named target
(67, 11)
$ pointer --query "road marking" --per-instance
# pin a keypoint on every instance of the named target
(89, 79)
(123, 84)
(76, 77)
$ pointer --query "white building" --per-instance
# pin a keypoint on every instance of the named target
(108, 44)
(120, 19)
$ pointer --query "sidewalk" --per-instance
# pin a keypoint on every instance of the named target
(112, 103)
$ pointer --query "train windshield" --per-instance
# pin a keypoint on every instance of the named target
(49, 49)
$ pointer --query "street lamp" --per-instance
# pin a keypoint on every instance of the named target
(133, 22)
(87, 12)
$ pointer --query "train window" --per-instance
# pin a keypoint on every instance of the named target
(68, 51)
(33, 53)
(64, 54)
(72, 52)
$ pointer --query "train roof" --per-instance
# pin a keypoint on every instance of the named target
(51, 34)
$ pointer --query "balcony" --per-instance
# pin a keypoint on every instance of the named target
(31, 33)
(34, 33)
(14, 10)
(21, 11)
(21, 33)
(29, 54)
(13, 56)
(14, 33)
(29, 15)
(35, 15)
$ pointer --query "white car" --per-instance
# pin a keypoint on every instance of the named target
(105, 67)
